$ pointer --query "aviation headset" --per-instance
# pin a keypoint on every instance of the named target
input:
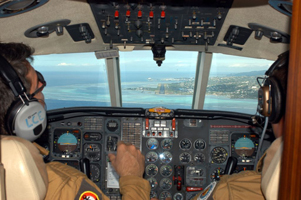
(26, 117)
(271, 96)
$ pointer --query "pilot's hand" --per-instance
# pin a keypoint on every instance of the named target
(129, 161)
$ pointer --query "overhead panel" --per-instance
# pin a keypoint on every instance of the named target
(154, 22)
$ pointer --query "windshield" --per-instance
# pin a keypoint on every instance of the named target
(79, 79)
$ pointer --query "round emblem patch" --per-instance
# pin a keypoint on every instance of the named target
(88, 195)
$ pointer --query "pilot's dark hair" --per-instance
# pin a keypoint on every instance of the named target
(18, 55)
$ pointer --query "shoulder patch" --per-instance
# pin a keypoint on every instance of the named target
(87, 192)
(88, 195)
(207, 192)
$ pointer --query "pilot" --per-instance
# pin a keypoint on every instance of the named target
(63, 181)
(263, 183)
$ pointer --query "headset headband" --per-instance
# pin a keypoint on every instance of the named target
(11, 77)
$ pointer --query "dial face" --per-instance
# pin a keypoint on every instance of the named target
(153, 182)
(95, 172)
(185, 144)
(165, 157)
(178, 196)
(152, 144)
(164, 195)
(199, 144)
(217, 173)
(112, 125)
(166, 144)
(92, 152)
(219, 155)
(67, 143)
(151, 157)
(151, 170)
(244, 147)
(153, 194)
(166, 170)
(199, 157)
(185, 158)
(165, 183)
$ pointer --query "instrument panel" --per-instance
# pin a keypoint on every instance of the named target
(182, 155)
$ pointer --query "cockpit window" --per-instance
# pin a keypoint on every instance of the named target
(146, 85)
(232, 84)
(76, 79)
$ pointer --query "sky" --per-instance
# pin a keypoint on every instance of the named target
(143, 60)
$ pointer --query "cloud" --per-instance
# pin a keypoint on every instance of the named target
(65, 64)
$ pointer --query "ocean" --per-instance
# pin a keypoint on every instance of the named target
(71, 89)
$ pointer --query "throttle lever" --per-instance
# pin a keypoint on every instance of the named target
(231, 165)
(85, 167)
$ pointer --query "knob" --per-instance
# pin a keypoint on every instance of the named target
(138, 24)
(162, 14)
(139, 14)
(139, 33)
(151, 14)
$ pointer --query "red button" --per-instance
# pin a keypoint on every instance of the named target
(116, 14)
(151, 14)
(139, 13)
(128, 13)
(162, 14)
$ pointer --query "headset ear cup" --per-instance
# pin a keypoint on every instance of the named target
(11, 113)
(278, 100)
(27, 121)
(264, 106)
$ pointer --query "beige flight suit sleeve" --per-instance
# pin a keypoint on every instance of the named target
(133, 187)
(66, 182)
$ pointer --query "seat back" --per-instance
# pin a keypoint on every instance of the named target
(270, 180)
(22, 177)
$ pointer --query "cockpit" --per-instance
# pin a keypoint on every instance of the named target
(179, 80)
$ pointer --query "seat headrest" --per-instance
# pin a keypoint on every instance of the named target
(22, 177)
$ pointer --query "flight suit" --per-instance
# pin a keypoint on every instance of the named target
(246, 184)
(65, 182)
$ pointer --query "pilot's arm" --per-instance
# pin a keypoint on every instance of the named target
(129, 164)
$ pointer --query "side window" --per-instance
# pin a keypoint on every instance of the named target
(232, 84)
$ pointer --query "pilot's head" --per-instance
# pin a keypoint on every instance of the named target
(19, 56)
(272, 95)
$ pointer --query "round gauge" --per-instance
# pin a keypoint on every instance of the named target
(153, 194)
(178, 196)
(244, 147)
(165, 157)
(92, 152)
(199, 157)
(164, 195)
(185, 144)
(165, 183)
(152, 144)
(166, 144)
(153, 182)
(199, 144)
(217, 173)
(67, 143)
(219, 155)
(95, 172)
(112, 125)
(151, 170)
(151, 157)
(185, 158)
(166, 170)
